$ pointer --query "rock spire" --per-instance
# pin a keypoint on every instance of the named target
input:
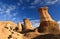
(27, 25)
(19, 26)
(47, 24)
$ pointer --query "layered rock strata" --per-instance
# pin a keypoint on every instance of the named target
(47, 24)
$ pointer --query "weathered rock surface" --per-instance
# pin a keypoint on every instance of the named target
(7, 31)
(19, 26)
(4, 33)
(44, 15)
(8, 24)
(27, 25)
(47, 24)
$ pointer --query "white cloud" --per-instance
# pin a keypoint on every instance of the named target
(21, 1)
(4, 8)
(35, 23)
(36, 2)
(8, 11)
(58, 23)
(14, 14)
(5, 12)
(18, 4)
(0, 11)
(51, 1)
(44, 2)
(12, 7)
(31, 6)
(13, 18)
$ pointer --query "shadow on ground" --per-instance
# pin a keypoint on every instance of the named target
(48, 36)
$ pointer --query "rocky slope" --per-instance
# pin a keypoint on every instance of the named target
(48, 28)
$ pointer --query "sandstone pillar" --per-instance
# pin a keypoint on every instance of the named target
(44, 16)
(47, 24)
(19, 26)
(27, 25)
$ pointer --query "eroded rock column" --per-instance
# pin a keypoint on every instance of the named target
(19, 26)
(27, 25)
(47, 24)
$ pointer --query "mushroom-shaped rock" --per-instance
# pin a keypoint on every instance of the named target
(19, 26)
(47, 24)
(44, 15)
(27, 25)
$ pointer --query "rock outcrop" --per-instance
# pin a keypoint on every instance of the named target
(7, 31)
(19, 26)
(47, 24)
(8, 24)
(27, 25)
(4, 33)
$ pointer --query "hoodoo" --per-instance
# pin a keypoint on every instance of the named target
(19, 27)
(47, 24)
(27, 25)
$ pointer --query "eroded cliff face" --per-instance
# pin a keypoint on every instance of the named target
(47, 24)
(48, 28)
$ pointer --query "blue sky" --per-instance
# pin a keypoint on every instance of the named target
(17, 10)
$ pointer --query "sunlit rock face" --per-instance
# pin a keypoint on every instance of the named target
(4, 33)
(19, 26)
(44, 15)
(47, 24)
(7, 31)
(8, 24)
(27, 25)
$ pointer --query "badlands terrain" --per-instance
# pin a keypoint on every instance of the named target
(48, 28)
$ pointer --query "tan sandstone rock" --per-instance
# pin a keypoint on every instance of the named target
(16, 35)
(27, 25)
(8, 24)
(4, 33)
(47, 24)
(7, 32)
(19, 26)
